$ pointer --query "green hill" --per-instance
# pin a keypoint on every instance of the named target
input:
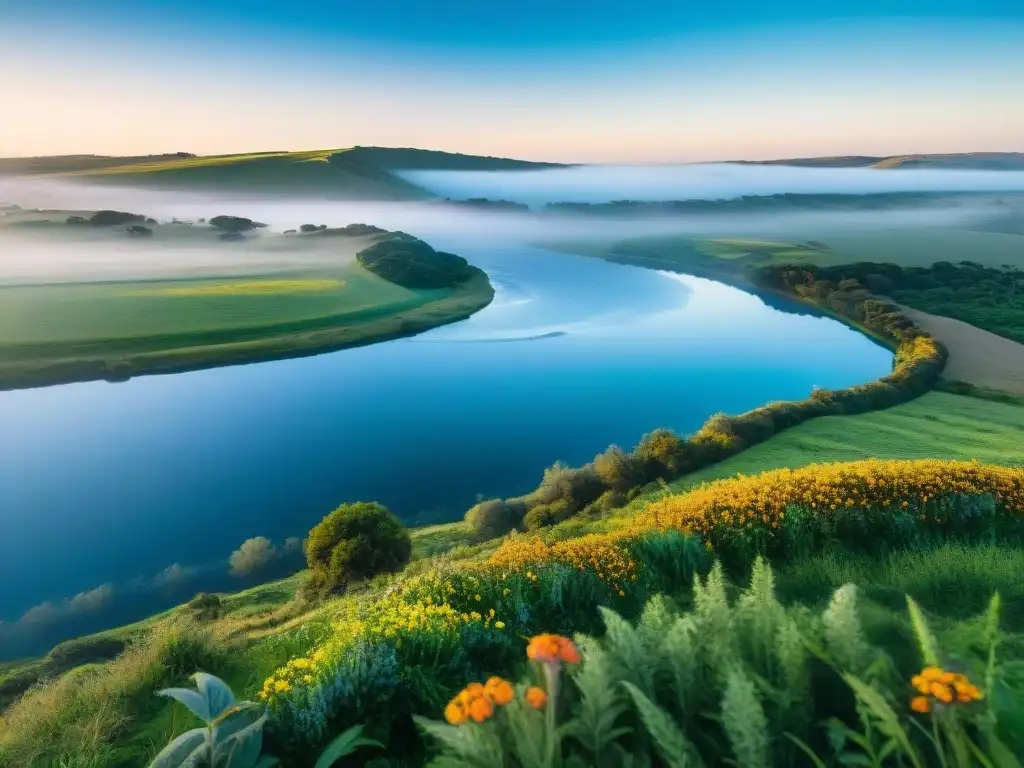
(976, 161)
(357, 172)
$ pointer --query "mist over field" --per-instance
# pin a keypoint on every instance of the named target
(26, 256)
(712, 181)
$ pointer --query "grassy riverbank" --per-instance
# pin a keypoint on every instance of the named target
(191, 301)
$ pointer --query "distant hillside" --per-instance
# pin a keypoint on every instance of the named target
(977, 161)
(359, 172)
(785, 201)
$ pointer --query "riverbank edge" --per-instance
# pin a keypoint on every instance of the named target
(465, 300)
(662, 456)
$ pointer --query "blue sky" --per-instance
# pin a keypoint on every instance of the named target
(645, 80)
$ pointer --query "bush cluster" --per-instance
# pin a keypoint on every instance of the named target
(412, 263)
(355, 541)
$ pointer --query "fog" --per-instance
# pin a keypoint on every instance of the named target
(29, 256)
(712, 181)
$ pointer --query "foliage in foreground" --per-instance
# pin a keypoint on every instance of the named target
(405, 653)
(232, 735)
(748, 683)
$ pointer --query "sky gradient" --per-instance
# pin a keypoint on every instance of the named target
(597, 81)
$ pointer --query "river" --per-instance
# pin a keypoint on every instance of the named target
(111, 483)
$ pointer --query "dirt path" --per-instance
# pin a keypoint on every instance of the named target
(976, 356)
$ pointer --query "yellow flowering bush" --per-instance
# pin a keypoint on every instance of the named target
(917, 488)
(602, 554)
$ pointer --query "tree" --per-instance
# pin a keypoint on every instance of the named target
(356, 541)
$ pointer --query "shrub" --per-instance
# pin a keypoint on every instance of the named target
(576, 487)
(115, 218)
(490, 519)
(663, 454)
(617, 469)
(234, 224)
(205, 606)
(356, 541)
(542, 515)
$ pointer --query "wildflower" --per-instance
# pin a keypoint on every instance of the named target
(477, 598)
(921, 704)
(282, 686)
(481, 708)
(536, 697)
(499, 690)
(455, 713)
(499, 625)
(567, 650)
(543, 648)
(942, 686)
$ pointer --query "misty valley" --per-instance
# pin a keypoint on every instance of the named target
(200, 358)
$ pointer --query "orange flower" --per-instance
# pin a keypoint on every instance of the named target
(921, 704)
(536, 698)
(567, 650)
(942, 692)
(480, 709)
(455, 713)
(471, 691)
(543, 648)
(549, 649)
(498, 690)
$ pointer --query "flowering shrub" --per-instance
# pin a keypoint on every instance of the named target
(788, 511)
(731, 683)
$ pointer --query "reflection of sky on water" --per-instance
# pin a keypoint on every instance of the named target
(111, 482)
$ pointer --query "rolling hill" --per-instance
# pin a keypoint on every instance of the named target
(358, 172)
(975, 161)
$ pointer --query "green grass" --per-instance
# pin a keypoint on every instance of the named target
(923, 247)
(936, 425)
(77, 332)
(951, 580)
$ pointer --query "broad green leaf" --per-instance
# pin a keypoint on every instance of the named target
(180, 749)
(232, 721)
(888, 720)
(195, 701)
(925, 639)
(218, 695)
(267, 762)
(345, 744)
(242, 749)
(675, 748)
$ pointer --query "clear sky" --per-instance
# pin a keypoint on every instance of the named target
(578, 80)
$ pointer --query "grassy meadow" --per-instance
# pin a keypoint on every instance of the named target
(182, 300)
